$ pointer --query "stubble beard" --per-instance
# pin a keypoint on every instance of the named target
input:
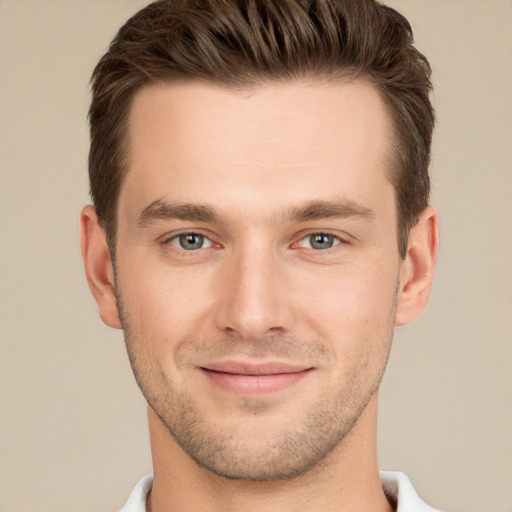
(277, 455)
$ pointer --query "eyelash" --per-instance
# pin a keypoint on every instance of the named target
(338, 240)
(167, 241)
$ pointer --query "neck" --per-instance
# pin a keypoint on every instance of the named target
(348, 478)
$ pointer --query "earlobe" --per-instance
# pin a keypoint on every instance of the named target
(98, 266)
(417, 269)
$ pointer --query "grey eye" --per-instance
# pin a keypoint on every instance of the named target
(320, 241)
(190, 241)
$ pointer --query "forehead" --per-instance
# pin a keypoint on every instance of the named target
(306, 140)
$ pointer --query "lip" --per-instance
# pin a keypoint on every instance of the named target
(245, 378)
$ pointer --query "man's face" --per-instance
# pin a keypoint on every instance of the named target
(257, 267)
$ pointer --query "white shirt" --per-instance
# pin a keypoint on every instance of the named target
(396, 485)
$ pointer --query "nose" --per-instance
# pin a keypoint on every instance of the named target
(253, 300)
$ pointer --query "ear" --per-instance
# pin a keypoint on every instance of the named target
(98, 266)
(417, 269)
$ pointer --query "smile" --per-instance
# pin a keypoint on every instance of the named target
(254, 379)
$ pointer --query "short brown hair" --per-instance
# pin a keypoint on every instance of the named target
(240, 43)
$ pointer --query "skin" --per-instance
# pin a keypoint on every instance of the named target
(288, 186)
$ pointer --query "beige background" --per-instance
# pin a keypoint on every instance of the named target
(73, 428)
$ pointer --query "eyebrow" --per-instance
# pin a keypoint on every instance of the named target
(314, 210)
(160, 210)
(317, 210)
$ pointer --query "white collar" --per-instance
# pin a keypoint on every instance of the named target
(396, 486)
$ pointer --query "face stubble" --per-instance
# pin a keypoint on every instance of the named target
(276, 454)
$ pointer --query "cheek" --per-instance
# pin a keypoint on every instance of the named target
(360, 297)
(164, 303)
(353, 312)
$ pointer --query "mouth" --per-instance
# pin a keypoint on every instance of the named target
(243, 378)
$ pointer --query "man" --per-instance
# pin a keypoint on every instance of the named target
(259, 172)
